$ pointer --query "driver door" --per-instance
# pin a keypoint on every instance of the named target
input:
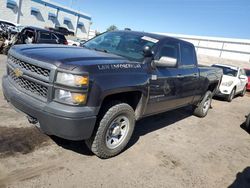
(165, 83)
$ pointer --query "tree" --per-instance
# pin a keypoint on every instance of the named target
(112, 28)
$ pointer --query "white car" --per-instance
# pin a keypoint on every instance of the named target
(73, 42)
(234, 81)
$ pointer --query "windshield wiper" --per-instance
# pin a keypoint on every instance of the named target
(101, 50)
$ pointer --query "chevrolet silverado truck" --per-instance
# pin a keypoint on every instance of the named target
(98, 92)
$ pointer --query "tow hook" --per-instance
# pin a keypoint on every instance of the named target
(32, 120)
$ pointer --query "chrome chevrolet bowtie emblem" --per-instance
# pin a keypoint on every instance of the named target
(17, 72)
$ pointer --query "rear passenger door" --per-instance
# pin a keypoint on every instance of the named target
(242, 82)
(189, 77)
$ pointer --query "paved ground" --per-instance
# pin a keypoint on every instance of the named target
(174, 149)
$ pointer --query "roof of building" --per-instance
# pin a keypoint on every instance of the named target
(63, 8)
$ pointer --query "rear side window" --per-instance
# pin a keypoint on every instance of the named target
(187, 55)
(242, 72)
(45, 35)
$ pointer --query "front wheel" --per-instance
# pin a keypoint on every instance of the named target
(114, 131)
(202, 108)
(231, 95)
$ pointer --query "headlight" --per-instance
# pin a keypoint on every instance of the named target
(71, 79)
(69, 97)
(227, 84)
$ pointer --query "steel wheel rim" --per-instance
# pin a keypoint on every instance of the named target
(206, 105)
(117, 132)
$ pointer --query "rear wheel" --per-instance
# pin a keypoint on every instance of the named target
(231, 95)
(114, 131)
(243, 91)
(202, 108)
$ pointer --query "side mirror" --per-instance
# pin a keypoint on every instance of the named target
(242, 77)
(147, 51)
(165, 62)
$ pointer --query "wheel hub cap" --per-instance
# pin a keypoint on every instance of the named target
(117, 132)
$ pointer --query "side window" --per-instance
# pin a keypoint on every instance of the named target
(169, 49)
(242, 72)
(45, 36)
(187, 55)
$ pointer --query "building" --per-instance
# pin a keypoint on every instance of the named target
(226, 48)
(44, 13)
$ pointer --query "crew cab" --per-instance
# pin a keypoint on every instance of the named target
(98, 92)
(234, 81)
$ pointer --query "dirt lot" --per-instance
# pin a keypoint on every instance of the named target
(174, 149)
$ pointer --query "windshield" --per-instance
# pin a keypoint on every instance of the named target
(127, 45)
(228, 71)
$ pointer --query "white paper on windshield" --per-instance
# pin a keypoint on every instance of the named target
(150, 39)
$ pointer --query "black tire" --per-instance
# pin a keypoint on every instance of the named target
(231, 95)
(247, 123)
(98, 144)
(202, 108)
(242, 94)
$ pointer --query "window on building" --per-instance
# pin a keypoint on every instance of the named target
(12, 4)
(51, 16)
(34, 11)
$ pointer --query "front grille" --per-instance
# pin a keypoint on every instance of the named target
(29, 67)
(29, 86)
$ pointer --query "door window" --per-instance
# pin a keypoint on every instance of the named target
(187, 55)
(169, 49)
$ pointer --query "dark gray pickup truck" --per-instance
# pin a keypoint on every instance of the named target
(97, 93)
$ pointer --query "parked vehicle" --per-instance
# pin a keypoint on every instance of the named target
(7, 24)
(248, 77)
(40, 36)
(34, 35)
(62, 30)
(75, 42)
(234, 81)
(97, 93)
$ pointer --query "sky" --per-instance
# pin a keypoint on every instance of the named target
(219, 18)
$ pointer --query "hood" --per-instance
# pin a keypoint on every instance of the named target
(226, 78)
(67, 57)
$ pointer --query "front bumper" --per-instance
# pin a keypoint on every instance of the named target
(223, 91)
(69, 122)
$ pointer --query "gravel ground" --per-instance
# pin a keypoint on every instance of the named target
(173, 149)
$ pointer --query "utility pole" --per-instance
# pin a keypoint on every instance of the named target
(19, 11)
